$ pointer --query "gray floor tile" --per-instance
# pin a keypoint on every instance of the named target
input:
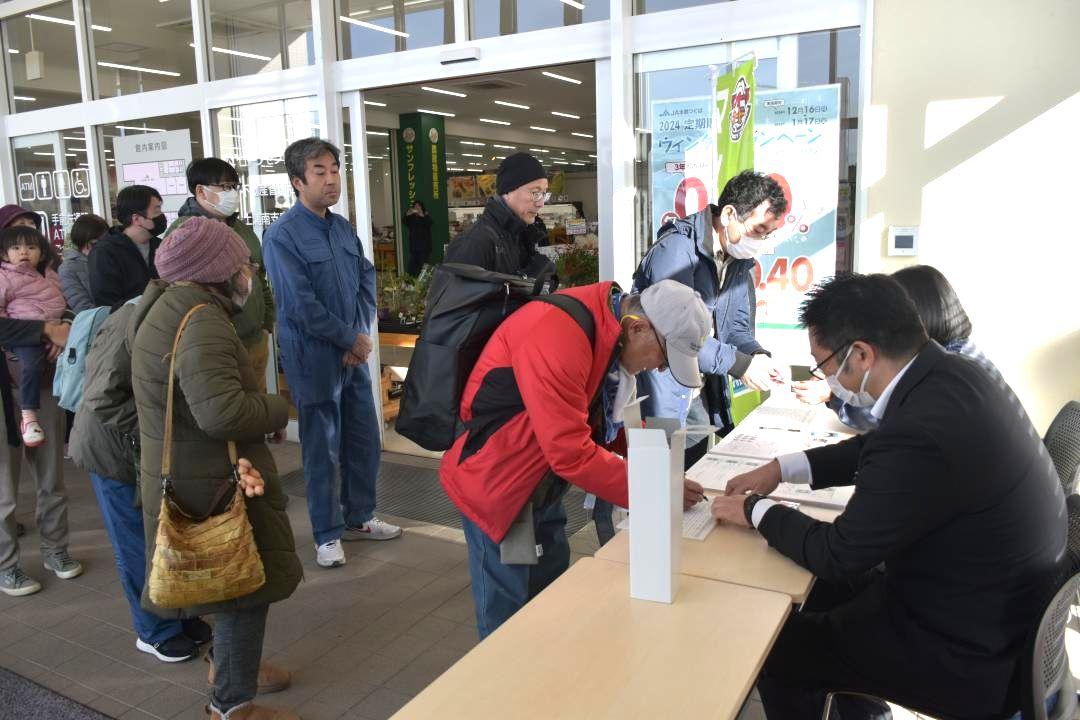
(45, 649)
(108, 706)
(379, 705)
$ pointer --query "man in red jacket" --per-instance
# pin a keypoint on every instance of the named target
(542, 408)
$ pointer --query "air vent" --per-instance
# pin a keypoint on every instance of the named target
(490, 84)
(122, 47)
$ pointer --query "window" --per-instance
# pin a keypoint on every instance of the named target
(805, 120)
(491, 18)
(253, 138)
(648, 6)
(152, 151)
(374, 27)
(40, 51)
(801, 61)
(146, 50)
(53, 179)
(253, 37)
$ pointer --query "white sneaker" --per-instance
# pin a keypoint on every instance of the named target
(330, 554)
(373, 529)
(32, 434)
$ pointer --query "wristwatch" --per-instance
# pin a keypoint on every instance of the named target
(748, 507)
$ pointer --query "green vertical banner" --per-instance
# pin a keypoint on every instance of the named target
(421, 145)
(735, 95)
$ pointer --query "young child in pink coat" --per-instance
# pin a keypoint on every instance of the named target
(29, 290)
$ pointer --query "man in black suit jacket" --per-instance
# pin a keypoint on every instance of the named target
(928, 581)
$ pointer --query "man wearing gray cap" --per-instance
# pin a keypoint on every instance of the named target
(543, 409)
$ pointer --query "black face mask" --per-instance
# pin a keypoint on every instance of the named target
(159, 225)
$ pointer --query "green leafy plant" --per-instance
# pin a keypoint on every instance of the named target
(578, 266)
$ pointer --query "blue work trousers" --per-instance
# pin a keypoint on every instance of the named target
(124, 524)
(340, 438)
(500, 590)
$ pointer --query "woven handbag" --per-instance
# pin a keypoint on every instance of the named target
(201, 559)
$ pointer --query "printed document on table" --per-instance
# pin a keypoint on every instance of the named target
(795, 418)
(767, 443)
(698, 522)
(714, 470)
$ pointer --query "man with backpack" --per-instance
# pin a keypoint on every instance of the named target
(541, 408)
(104, 442)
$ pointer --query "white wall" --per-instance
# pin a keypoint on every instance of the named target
(972, 135)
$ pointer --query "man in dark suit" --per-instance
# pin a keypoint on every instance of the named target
(928, 581)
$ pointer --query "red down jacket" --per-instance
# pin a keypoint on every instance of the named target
(541, 354)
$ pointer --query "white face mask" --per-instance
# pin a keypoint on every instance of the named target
(228, 202)
(748, 248)
(625, 394)
(861, 399)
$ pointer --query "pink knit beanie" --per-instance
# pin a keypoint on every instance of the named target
(201, 250)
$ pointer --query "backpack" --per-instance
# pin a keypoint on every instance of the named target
(466, 303)
(71, 365)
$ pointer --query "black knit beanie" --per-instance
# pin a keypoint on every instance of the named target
(517, 170)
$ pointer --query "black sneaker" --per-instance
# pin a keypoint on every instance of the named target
(198, 631)
(178, 648)
(20, 529)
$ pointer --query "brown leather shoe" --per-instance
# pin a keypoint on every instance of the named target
(272, 678)
(253, 712)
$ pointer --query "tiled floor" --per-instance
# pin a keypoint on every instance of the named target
(360, 640)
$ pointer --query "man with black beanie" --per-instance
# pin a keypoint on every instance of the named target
(500, 239)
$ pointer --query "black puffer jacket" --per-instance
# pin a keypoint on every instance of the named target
(498, 241)
(118, 272)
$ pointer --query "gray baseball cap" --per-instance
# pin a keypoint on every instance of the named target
(681, 319)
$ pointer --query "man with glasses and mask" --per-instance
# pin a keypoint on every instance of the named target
(500, 240)
(747, 212)
(122, 261)
(930, 580)
(543, 408)
(215, 193)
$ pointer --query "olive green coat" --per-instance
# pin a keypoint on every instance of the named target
(215, 400)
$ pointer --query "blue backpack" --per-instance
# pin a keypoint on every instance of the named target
(71, 365)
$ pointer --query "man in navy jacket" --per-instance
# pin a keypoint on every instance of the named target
(324, 288)
(930, 579)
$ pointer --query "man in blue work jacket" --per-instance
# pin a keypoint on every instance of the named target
(324, 288)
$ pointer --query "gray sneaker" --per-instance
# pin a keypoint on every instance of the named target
(62, 564)
(15, 582)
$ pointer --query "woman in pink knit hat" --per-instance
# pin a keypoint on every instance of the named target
(204, 266)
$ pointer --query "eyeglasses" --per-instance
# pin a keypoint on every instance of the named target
(539, 196)
(817, 372)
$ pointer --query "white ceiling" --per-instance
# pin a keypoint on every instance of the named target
(541, 93)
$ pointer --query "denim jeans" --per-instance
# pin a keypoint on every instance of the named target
(124, 524)
(341, 433)
(501, 590)
(30, 360)
(238, 644)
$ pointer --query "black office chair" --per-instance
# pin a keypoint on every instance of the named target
(1063, 443)
(1044, 669)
